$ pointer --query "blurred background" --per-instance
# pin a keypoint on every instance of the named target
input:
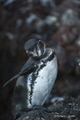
(56, 22)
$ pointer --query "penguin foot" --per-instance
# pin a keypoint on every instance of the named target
(38, 107)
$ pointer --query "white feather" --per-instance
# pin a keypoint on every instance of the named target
(43, 83)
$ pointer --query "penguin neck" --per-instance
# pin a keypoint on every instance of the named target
(47, 55)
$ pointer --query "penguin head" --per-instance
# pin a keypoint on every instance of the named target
(35, 48)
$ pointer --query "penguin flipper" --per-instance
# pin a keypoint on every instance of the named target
(27, 68)
(16, 76)
(24, 71)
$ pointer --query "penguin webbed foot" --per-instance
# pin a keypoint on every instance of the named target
(38, 107)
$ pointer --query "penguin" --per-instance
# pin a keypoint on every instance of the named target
(36, 78)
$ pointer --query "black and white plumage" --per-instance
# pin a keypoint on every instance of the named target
(36, 79)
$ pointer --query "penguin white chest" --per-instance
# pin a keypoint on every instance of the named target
(44, 82)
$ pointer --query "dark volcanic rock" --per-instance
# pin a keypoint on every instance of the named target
(67, 109)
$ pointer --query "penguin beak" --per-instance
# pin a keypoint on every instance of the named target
(32, 53)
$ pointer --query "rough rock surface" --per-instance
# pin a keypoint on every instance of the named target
(67, 109)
